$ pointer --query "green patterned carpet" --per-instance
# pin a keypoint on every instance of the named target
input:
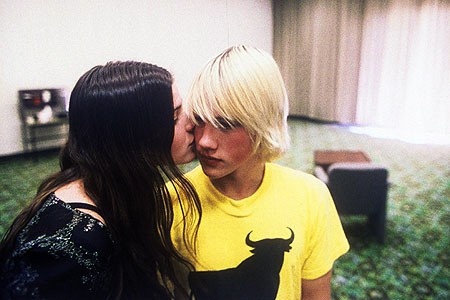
(413, 263)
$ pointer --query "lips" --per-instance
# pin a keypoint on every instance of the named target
(210, 160)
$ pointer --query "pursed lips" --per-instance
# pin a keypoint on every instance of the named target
(207, 159)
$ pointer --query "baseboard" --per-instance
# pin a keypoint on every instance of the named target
(31, 155)
(312, 120)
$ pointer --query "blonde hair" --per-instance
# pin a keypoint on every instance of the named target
(243, 86)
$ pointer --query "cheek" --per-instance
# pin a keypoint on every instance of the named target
(176, 136)
(197, 133)
(241, 147)
(241, 138)
(238, 145)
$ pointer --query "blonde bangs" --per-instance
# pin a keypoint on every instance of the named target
(243, 86)
(213, 99)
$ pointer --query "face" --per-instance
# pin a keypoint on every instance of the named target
(183, 139)
(224, 152)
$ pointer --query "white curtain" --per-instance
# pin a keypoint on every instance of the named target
(314, 44)
(405, 66)
(377, 63)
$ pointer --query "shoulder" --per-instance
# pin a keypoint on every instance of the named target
(74, 193)
(285, 174)
(302, 188)
(56, 223)
(61, 231)
(59, 246)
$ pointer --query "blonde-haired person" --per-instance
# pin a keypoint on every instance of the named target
(267, 231)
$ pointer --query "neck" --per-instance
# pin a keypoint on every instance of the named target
(241, 183)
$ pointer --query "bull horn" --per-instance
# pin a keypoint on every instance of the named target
(250, 242)
(291, 238)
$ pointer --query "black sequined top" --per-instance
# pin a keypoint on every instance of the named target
(62, 253)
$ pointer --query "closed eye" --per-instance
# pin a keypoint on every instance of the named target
(225, 124)
(176, 113)
(199, 121)
(221, 123)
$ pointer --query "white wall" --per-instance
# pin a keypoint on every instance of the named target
(51, 43)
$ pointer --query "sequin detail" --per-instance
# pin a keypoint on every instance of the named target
(59, 248)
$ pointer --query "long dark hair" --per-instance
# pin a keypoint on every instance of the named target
(121, 127)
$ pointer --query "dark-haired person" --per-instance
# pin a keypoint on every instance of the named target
(100, 227)
(267, 231)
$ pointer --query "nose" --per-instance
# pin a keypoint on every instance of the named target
(205, 136)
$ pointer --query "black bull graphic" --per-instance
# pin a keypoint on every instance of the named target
(257, 277)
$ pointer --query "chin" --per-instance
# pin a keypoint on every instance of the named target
(184, 160)
(212, 173)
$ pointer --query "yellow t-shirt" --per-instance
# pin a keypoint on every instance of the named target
(261, 247)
